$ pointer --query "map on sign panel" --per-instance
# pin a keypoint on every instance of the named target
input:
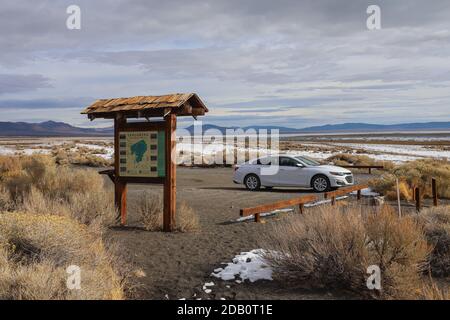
(141, 154)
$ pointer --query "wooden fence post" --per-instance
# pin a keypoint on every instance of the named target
(300, 208)
(170, 179)
(333, 200)
(418, 201)
(120, 187)
(257, 217)
(246, 148)
(434, 191)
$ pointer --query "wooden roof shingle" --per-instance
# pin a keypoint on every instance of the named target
(185, 101)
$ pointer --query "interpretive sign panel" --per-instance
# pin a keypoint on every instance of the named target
(141, 154)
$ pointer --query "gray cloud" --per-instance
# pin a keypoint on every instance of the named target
(300, 61)
(17, 83)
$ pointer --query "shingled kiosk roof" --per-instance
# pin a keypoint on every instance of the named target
(183, 104)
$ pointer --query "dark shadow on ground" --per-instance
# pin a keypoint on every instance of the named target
(262, 190)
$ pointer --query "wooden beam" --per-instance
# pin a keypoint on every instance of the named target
(343, 191)
(170, 179)
(110, 173)
(277, 205)
(144, 126)
(120, 187)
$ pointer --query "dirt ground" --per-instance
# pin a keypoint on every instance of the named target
(177, 265)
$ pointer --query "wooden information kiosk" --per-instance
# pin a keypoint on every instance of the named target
(145, 151)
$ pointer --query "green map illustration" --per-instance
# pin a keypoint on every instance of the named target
(138, 149)
(141, 154)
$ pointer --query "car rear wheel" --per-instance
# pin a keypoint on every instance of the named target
(320, 183)
(252, 182)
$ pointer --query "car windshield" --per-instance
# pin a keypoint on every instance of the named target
(307, 161)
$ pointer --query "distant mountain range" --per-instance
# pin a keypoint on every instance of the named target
(61, 129)
(49, 128)
(344, 127)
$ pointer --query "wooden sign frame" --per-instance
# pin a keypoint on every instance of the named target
(168, 181)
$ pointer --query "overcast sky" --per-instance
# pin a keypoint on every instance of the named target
(291, 63)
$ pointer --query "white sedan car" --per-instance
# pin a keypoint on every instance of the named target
(291, 171)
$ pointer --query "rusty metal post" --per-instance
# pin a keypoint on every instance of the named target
(434, 191)
(418, 200)
(358, 194)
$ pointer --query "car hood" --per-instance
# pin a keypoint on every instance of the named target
(333, 168)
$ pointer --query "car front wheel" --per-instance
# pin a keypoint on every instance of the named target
(320, 183)
(252, 182)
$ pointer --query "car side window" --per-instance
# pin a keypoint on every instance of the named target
(263, 161)
(287, 162)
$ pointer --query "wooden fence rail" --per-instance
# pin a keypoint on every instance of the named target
(343, 191)
(363, 167)
(300, 201)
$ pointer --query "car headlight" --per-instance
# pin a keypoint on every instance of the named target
(337, 173)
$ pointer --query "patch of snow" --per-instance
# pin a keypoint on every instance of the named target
(206, 285)
(413, 150)
(318, 203)
(247, 265)
(264, 214)
(367, 193)
(6, 151)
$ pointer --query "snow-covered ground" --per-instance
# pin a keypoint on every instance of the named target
(413, 150)
(383, 152)
(246, 266)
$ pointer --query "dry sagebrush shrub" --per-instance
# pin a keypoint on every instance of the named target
(35, 251)
(149, 207)
(415, 173)
(40, 186)
(332, 248)
(71, 154)
(436, 222)
(186, 219)
(344, 159)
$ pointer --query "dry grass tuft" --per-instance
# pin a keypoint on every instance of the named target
(186, 220)
(150, 209)
(436, 222)
(35, 251)
(332, 248)
(431, 291)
